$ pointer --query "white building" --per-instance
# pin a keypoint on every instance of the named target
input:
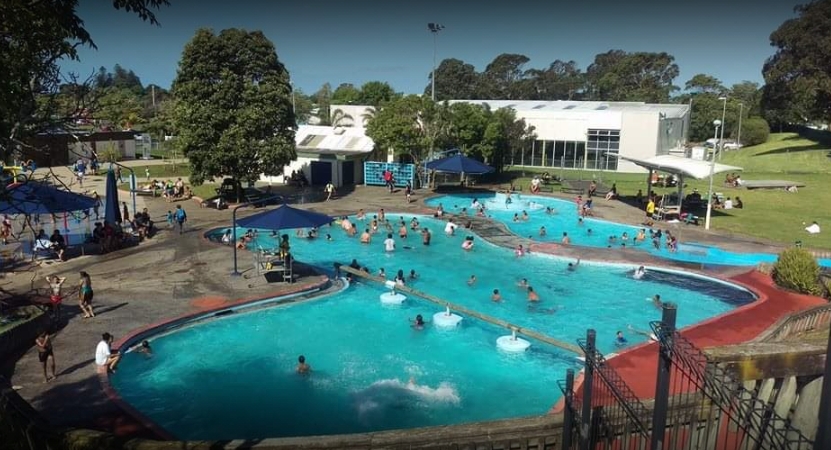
(328, 154)
(573, 134)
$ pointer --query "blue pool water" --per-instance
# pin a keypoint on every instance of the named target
(233, 377)
(566, 220)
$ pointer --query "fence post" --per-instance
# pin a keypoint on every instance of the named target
(823, 437)
(659, 413)
(568, 419)
(588, 379)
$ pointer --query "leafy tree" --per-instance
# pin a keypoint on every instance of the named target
(36, 36)
(620, 76)
(755, 130)
(750, 94)
(455, 80)
(467, 124)
(376, 93)
(119, 108)
(560, 81)
(503, 78)
(798, 75)
(323, 101)
(704, 84)
(346, 94)
(233, 107)
(302, 106)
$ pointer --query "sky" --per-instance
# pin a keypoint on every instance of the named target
(357, 41)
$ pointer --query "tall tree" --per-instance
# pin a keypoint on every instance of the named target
(502, 78)
(35, 36)
(750, 94)
(302, 106)
(233, 107)
(323, 101)
(704, 84)
(376, 93)
(455, 80)
(560, 81)
(798, 75)
(642, 76)
(346, 94)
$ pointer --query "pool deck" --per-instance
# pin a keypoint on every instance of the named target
(171, 275)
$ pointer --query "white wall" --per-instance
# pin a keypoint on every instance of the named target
(569, 126)
(638, 138)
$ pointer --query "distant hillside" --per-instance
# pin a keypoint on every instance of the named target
(784, 152)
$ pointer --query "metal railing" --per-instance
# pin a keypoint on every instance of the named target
(810, 319)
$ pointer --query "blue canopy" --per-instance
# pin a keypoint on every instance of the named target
(34, 197)
(285, 218)
(459, 164)
(112, 213)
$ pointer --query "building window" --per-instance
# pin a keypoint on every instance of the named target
(536, 159)
(549, 154)
(602, 146)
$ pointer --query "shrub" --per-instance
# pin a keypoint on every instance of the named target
(797, 269)
(755, 130)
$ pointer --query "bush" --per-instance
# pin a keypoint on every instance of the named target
(755, 130)
(797, 269)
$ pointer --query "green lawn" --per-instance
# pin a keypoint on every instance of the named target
(771, 214)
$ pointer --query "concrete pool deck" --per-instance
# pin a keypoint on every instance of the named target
(171, 275)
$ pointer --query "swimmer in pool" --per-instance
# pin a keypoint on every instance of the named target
(496, 297)
(418, 323)
(523, 283)
(532, 296)
(573, 266)
(472, 280)
(620, 340)
(302, 367)
(413, 274)
(145, 348)
(366, 237)
(382, 273)
(542, 231)
(656, 301)
(639, 273)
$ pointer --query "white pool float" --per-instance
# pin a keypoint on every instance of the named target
(392, 298)
(512, 343)
(446, 319)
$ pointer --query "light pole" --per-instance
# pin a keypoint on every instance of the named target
(717, 124)
(739, 136)
(721, 138)
(434, 28)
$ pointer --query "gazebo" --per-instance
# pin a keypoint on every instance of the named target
(680, 166)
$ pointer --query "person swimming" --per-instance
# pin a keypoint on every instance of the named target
(302, 367)
(620, 340)
(496, 297)
(472, 280)
(656, 300)
(639, 273)
(532, 296)
(418, 323)
(467, 244)
(573, 266)
(523, 283)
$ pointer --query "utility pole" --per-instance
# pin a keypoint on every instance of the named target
(434, 28)
(741, 113)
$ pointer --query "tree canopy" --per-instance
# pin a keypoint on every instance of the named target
(34, 37)
(798, 76)
(233, 107)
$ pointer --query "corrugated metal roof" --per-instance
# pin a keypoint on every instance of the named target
(340, 140)
(670, 110)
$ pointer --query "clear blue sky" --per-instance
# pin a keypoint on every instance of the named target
(358, 41)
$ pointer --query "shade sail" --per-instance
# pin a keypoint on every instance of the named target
(112, 213)
(34, 197)
(460, 164)
(678, 165)
(285, 218)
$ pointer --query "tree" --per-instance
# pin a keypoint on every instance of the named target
(455, 80)
(376, 93)
(503, 136)
(346, 94)
(503, 78)
(560, 81)
(233, 107)
(755, 130)
(323, 101)
(750, 94)
(302, 106)
(36, 36)
(798, 75)
(620, 76)
(704, 84)
(467, 124)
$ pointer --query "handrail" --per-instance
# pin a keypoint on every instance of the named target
(799, 322)
(485, 318)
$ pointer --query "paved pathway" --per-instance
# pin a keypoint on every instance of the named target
(170, 275)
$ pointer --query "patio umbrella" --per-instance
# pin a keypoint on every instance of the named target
(460, 164)
(34, 197)
(112, 213)
(285, 218)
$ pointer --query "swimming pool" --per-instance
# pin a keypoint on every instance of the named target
(566, 220)
(233, 377)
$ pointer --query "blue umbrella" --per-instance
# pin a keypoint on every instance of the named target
(112, 213)
(460, 164)
(285, 218)
(34, 197)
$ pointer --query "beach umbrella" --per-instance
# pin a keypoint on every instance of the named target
(112, 213)
(285, 218)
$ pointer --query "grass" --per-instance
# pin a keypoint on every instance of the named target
(775, 215)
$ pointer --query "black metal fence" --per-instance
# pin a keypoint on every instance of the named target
(698, 405)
